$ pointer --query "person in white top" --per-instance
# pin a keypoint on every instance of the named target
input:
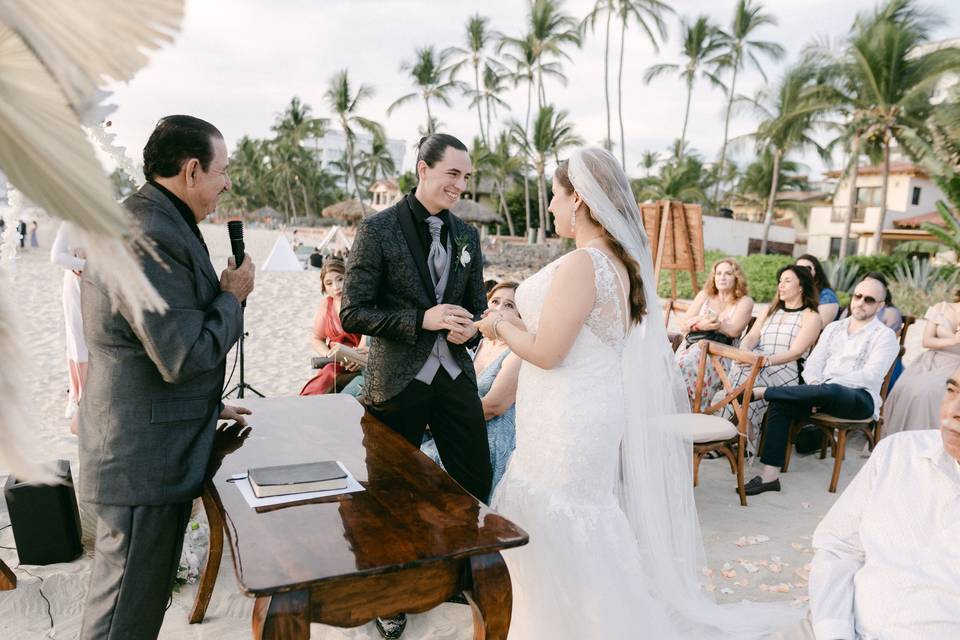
(842, 376)
(72, 259)
(886, 561)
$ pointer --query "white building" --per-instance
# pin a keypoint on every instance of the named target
(743, 237)
(330, 148)
(910, 193)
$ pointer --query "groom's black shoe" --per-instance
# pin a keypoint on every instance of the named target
(757, 485)
(392, 627)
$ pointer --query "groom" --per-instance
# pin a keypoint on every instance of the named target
(414, 284)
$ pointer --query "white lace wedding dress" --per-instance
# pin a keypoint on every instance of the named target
(583, 574)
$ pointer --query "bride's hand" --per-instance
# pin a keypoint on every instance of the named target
(485, 324)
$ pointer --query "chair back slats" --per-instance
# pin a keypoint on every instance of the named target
(902, 334)
(885, 388)
(738, 397)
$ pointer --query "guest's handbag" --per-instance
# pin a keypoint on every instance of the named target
(714, 336)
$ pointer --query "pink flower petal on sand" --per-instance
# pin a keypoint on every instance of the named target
(729, 574)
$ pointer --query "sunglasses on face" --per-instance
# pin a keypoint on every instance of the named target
(866, 299)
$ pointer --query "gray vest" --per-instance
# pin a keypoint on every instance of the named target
(440, 355)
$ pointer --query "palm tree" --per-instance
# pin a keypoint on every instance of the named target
(740, 47)
(701, 46)
(603, 7)
(495, 77)
(504, 164)
(755, 184)
(431, 73)
(648, 160)
(551, 134)
(647, 14)
(789, 113)
(292, 127)
(478, 36)
(897, 81)
(679, 179)
(377, 162)
(344, 102)
(550, 31)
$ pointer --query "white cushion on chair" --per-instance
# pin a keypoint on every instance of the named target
(701, 427)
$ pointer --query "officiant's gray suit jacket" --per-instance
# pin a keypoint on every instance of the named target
(152, 396)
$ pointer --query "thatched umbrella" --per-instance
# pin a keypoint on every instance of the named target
(348, 210)
(474, 212)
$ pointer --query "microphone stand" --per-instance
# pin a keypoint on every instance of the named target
(242, 384)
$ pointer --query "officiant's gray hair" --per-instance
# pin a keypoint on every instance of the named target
(431, 148)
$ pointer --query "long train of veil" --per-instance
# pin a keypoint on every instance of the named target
(656, 482)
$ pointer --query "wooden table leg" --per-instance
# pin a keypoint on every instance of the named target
(285, 616)
(211, 567)
(491, 598)
(8, 579)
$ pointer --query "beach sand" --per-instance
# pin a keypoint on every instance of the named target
(278, 318)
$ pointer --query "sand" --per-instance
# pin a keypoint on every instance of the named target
(279, 315)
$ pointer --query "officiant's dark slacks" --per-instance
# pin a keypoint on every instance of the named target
(134, 568)
(453, 410)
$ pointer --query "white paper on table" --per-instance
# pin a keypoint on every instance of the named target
(240, 480)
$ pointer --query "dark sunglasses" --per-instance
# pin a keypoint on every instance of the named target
(867, 299)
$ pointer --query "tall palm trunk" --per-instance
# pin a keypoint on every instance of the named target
(686, 119)
(771, 200)
(306, 201)
(351, 169)
(476, 81)
(726, 134)
(623, 148)
(505, 210)
(606, 76)
(852, 196)
(426, 102)
(882, 216)
(541, 196)
(526, 173)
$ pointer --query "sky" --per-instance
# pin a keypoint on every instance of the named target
(237, 63)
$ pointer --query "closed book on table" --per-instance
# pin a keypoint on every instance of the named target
(267, 482)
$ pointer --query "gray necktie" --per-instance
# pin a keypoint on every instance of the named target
(437, 258)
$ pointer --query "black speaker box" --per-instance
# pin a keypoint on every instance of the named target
(44, 518)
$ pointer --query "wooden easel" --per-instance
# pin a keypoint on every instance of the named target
(678, 230)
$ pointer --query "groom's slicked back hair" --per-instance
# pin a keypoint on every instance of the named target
(431, 148)
(175, 140)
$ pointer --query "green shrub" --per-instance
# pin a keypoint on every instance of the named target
(760, 271)
(913, 301)
(886, 265)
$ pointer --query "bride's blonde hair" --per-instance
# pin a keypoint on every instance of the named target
(638, 301)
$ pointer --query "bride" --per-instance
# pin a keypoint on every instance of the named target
(597, 479)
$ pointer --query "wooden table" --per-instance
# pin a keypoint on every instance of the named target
(411, 541)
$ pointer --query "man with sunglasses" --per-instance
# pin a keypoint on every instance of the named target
(842, 376)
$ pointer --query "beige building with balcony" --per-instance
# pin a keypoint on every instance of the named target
(910, 193)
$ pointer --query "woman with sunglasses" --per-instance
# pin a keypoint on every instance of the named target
(915, 402)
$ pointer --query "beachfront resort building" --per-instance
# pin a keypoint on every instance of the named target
(330, 149)
(911, 197)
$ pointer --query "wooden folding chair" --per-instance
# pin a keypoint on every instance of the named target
(708, 429)
(835, 431)
(902, 334)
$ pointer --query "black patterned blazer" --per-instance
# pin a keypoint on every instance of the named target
(388, 288)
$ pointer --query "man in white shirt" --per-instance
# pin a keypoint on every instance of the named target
(887, 562)
(843, 377)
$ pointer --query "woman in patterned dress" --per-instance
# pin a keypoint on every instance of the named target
(722, 306)
(784, 335)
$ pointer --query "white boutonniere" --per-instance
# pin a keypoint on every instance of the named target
(462, 242)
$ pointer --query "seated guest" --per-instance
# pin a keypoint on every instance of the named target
(843, 376)
(915, 401)
(886, 562)
(829, 303)
(784, 335)
(328, 333)
(498, 370)
(891, 315)
(720, 312)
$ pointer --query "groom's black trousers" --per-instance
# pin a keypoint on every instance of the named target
(797, 402)
(453, 410)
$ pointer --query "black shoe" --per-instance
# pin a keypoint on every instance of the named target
(392, 627)
(458, 598)
(757, 485)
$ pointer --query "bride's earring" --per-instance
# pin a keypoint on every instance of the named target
(573, 219)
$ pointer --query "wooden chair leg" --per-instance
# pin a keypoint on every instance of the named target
(741, 456)
(727, 452)
(697, 455)
(786, 456)
(8, 579)
(840, 451)
(823, 445)
(211, 567)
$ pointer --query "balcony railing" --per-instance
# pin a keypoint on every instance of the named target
(839, 214)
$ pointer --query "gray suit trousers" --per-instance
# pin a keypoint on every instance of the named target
(134, 568)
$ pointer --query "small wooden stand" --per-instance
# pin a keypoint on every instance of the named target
(8, 579)
(675, 231)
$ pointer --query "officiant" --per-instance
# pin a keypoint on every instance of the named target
(152, 399)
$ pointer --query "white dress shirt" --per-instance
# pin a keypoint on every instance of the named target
(858, 360)
(887, 555)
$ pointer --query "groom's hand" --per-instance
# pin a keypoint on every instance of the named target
(447, 317)
(462, 335)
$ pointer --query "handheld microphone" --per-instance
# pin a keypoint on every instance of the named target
(235, 230)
